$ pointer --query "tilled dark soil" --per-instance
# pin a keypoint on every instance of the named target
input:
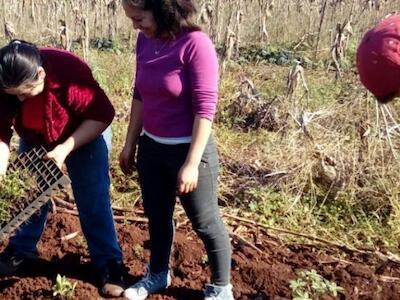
(255, 274)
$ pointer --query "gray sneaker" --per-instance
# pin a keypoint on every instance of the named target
(215, 292)
(149, 284)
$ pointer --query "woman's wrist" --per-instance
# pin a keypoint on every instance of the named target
(68, 145)
(129, 144)
(193, 161)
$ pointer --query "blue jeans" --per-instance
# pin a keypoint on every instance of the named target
(89, 173)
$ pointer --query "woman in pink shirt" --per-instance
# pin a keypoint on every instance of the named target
(175, 96)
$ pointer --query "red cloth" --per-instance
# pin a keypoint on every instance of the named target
(71, 95)
(32, 113)
(378, 58)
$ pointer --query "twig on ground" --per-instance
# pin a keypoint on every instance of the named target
(68, 211)
(388, 278)
(244, 241)
(70, 236)
(285, 231)
(116, 218)
(387, 257)
(123, 209)
(276, 173)
(334, 260)
(132, 219)
(53, 205)
(64, 203)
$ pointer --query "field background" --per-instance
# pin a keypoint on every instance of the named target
(303, 146)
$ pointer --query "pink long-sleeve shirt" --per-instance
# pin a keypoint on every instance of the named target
(176, 80)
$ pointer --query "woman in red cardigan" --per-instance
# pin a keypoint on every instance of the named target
(51, 98)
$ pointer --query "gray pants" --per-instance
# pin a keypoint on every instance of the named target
(158, 167)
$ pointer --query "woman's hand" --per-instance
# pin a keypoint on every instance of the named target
(127, 159)
(4, 156)
(187, 178)
(59, 154)
(85, 133)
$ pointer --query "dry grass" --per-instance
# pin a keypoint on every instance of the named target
(328, 165)
(303, 24)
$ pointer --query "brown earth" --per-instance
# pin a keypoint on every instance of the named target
(256, 274)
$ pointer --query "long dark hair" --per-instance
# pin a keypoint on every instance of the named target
(171, 16)
(19, 63)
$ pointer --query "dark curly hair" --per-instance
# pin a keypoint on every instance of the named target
(171, 16)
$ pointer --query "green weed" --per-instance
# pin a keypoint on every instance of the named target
(64, 289)
(311, 286)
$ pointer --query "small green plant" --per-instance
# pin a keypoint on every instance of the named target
(14, 185)
(311, 286)
(138, 250)
(63, 288)
(204, 259)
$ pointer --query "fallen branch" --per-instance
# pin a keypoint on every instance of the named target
(68, 211)
(244, 241)
(335, 260)
(284, 231)
(128, 210)
(390, 256)
(122, 209)
(64, 203)
(132, 219)
(116, 218)
(53, 206)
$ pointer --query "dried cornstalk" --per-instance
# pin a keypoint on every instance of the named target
(9, 30)
(205, 15)
(33, 11)
(85, 38)
(295, 76)
(321, 21)
(229, 41)
(339, 46)
(337, 50)
(374, 4)
(215, 28)
(228, 51)
(113, 24)
(239, 15)
(64, 31)
(264, 11)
